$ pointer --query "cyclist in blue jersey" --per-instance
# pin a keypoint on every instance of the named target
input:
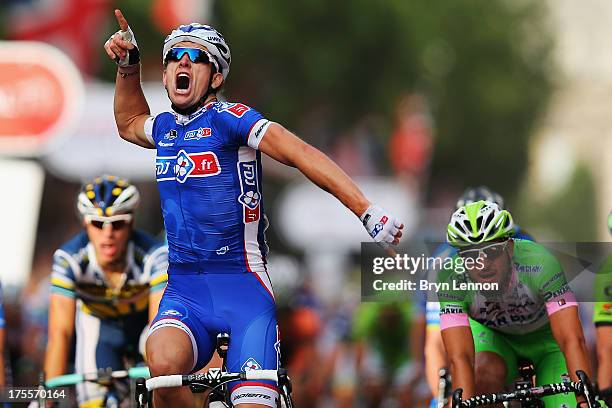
(435, 354)
(209, 177)
(106, 285)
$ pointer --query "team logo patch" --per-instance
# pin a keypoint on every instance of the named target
(171, 135)
(171, 312)
(185, 165)
(236, 109)
(250, 196)
(379, 226)
(250, 364)
(198, 134)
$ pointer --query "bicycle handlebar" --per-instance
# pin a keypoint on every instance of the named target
(582, 387)
(178, 380)
(72, 379)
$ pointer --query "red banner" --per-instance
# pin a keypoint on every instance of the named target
(40, 92)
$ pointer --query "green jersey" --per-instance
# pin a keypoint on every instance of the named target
(385, 326)
(603, 295)
(536, 289)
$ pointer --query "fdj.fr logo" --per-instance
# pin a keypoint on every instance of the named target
(184, 165)
(198, 133)
(250, 364)
(250, 196)
(379, 226)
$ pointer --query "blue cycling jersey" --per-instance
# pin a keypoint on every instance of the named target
(209, 178)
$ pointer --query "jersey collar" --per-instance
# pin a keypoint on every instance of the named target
(184, 119)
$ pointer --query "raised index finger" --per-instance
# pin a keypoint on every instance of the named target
(123, 24)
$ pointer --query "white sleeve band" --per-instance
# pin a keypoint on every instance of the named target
(257, 132)
(148, 129)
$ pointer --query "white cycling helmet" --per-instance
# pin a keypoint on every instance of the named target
(204, 35)
(478, 222)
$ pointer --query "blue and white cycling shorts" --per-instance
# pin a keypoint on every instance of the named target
(240, 304)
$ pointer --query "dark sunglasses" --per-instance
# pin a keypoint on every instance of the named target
(195, 55)
(490, 252)
(117, 222)
(116, 225)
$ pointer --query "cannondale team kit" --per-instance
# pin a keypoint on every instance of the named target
(209, 177)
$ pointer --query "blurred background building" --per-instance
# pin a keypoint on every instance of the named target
(417, 100)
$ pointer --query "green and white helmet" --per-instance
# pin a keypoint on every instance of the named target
(478, 222)
(610, 222)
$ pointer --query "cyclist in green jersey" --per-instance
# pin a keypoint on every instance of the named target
(531, 315)
(603, 319)
(386, 359)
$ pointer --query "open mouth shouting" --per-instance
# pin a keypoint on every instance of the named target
(183, 83)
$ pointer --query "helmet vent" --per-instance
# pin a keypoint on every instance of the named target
(489, 218)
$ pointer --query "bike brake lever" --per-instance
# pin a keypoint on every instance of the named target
(457, 398)
(587, 390)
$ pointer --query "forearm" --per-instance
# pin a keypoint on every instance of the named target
(604, 353)
(462, 374)
(576, 355)
(56, 355)
(129, 103)
(327, 175)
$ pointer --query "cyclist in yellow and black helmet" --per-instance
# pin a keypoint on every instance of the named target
(106, 284)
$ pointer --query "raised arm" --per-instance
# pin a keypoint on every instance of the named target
(130, 106)
(287, 148)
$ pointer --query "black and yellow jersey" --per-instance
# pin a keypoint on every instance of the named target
(76, 274)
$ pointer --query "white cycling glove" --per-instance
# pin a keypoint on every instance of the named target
(132, 56)
(380, 224)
